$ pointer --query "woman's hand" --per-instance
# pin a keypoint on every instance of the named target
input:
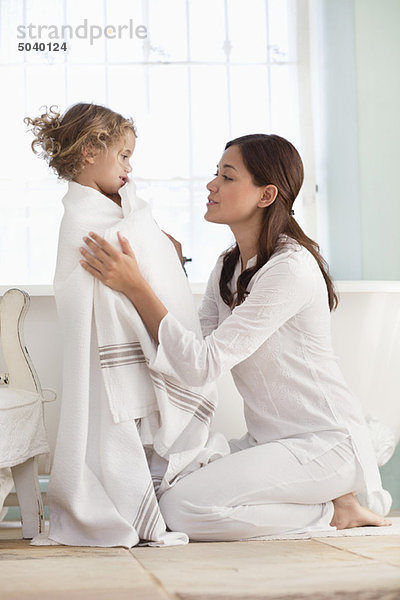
(120, 271)
(117, 270)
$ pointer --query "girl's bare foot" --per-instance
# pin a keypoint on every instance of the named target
(349, 513)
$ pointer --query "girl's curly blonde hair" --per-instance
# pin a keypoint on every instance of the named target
(61, 139)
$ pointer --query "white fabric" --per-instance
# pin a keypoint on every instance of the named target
(275, 493)
(22, 434)
(277, 344)
(383, 440)
(22, 431)
(393, 529)
(101, 490)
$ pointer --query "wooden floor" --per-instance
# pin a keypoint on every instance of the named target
(351, 568)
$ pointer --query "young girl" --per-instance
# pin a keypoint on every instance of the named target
(90, 144)
(120, 421)
(265, 316)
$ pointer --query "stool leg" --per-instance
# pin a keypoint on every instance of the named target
(29, 497)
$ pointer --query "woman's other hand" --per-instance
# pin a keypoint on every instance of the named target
(117, 270)
(178, 246)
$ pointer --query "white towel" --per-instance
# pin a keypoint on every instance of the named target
(126, 431)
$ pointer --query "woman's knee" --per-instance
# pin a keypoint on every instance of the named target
(181, 514)
(174, 510)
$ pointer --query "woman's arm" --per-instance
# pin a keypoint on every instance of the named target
(149, 306)
(208, 311)
(280, 291)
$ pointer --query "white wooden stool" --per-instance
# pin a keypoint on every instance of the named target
(22, 431)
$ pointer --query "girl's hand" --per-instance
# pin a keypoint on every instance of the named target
(117, 270)
(178, 246)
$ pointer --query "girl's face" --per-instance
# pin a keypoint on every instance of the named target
(108, 169)
(234, 199)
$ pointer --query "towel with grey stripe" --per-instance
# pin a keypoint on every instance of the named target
(127, 433)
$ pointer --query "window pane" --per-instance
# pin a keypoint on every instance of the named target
(11, 16)
(210, 117)
(163, 146)
(167, 30)
(125, 16)
(38, 90)
(207, 30)
(128, 91)
(185, 111)
(284, 102)
(28, 237)
(82, 88)
(45, 18)
(249, 100)
(12, 127)
(13, 237)
(44, 213)
(279, 30)
(247, 31)
(87, 45)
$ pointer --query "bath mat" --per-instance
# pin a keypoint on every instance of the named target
(393, 529)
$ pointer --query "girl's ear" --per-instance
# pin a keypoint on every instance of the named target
(89, 153)
(269, 195)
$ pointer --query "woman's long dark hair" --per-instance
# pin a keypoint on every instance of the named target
(270, 159)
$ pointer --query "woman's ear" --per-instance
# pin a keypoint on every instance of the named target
(269, 195)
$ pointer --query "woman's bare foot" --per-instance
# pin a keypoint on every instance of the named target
(349, 513)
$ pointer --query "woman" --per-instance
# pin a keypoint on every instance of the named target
(265, 316)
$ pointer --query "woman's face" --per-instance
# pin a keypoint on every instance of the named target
(234, 199)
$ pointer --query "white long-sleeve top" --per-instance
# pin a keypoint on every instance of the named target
(277, 344)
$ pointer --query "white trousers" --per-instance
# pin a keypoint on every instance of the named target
(263, 490)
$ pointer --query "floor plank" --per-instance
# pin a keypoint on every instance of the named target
(65, 572)
(345, 568)
(273, 569)
(385, 549)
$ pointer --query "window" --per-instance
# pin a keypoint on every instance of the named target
(209, 70)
